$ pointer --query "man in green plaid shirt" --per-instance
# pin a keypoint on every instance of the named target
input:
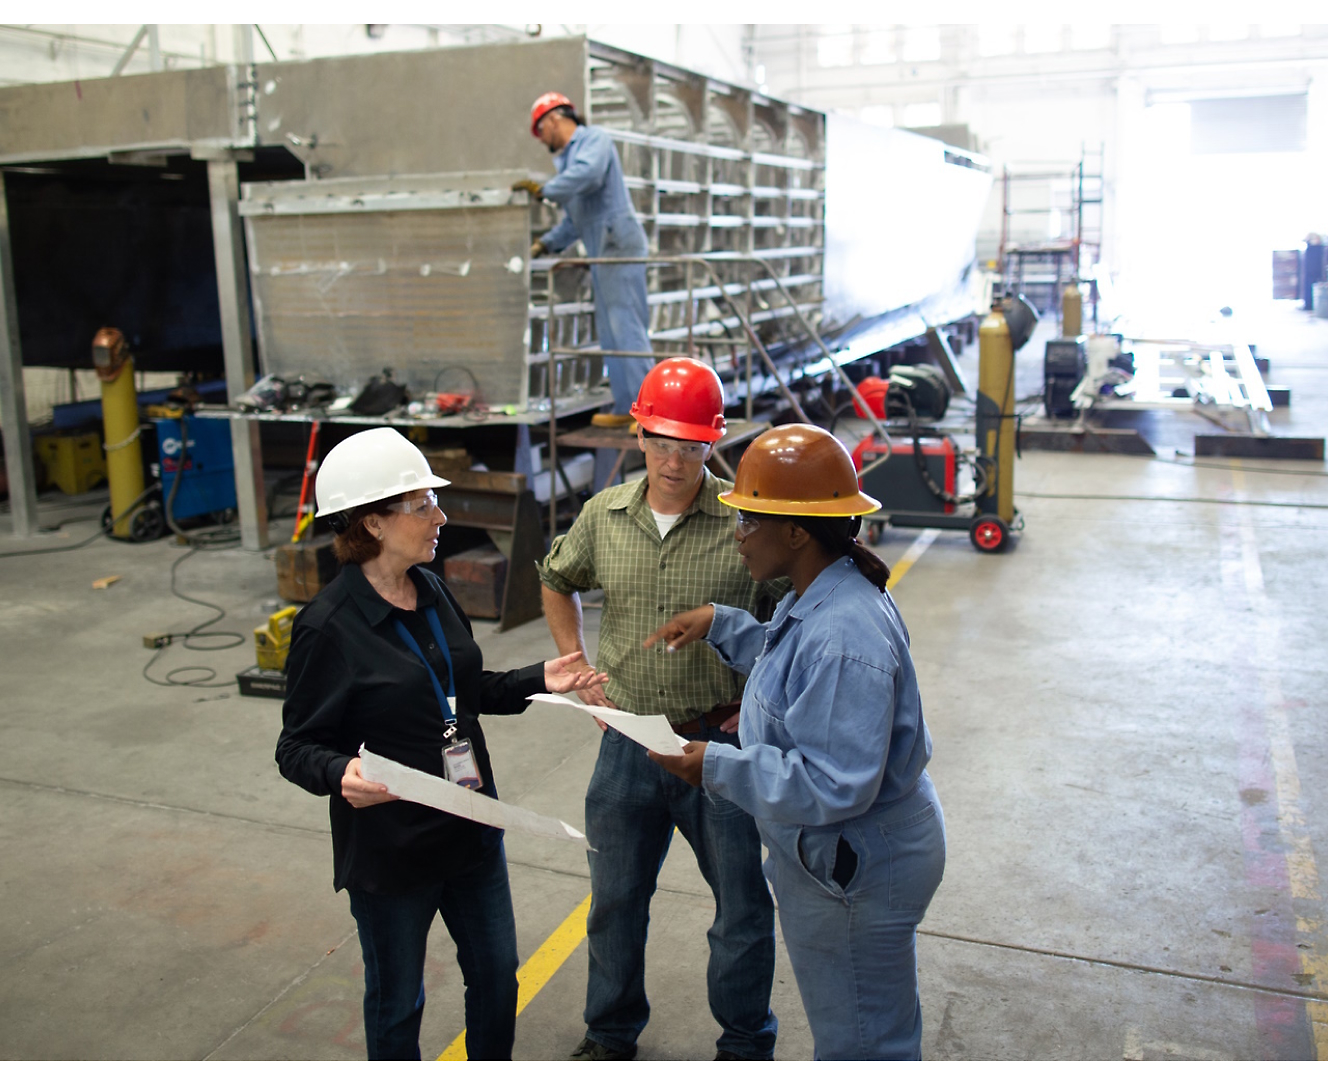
(658, 547)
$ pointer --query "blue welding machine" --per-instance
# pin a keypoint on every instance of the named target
(207, 477)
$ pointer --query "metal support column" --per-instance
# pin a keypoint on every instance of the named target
(237, 347)
(13, 401)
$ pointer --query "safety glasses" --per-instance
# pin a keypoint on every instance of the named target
(747, 524)
(691, 451)
(417, 507)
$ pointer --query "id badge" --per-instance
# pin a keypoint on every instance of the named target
(459, 765)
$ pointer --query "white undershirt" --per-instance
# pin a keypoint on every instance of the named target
(665, 521)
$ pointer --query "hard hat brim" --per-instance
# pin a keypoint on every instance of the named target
(430, 481)
(855, 505)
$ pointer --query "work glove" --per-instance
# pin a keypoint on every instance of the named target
(538, 249)
(535, 189)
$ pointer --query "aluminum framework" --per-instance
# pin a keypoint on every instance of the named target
(715, 171)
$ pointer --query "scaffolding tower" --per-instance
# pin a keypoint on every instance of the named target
(1051, 227)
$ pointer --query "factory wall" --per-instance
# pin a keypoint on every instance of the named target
(55, 52)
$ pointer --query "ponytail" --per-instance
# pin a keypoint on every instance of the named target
(839, 535)
(869, 564)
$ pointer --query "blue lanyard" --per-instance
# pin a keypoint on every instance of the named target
(444, 703)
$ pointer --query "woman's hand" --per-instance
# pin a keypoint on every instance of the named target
(562, 676)
(686, 765)
(683, 629)
(358, 792)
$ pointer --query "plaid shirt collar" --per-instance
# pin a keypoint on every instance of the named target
(633, 499)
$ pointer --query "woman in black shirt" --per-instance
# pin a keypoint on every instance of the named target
(384, 656)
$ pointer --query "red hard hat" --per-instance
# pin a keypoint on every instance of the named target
(547, 101)
(681, 398)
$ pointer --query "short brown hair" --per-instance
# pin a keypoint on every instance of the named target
(355, 545)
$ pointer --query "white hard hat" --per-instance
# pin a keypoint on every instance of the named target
(370, 466)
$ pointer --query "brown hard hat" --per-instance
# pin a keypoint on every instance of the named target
(800, 471)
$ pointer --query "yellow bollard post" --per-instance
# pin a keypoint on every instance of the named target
(119, 412)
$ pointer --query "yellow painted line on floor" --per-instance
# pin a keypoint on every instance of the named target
(910, 556)
(538, 971)
(558, 947)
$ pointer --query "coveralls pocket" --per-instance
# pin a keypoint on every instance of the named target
(819, 848)
(623, 236)
(916, 847)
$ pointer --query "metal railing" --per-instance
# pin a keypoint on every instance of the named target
(719, 291)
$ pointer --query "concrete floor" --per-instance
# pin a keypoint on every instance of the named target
(1129, 744)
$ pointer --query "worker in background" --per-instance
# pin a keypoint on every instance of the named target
(834, 745)
(353, 677)
(589, 187)
(657, 546)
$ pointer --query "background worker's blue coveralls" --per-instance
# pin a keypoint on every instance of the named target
(589, 188)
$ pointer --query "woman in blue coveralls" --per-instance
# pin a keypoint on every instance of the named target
(834, 746)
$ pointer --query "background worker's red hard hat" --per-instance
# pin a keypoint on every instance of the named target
(547, 101)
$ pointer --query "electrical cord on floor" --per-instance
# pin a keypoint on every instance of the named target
(1165, 498)
(106, 529)
(235, 640)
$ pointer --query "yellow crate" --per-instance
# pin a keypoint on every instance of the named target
(74, 462)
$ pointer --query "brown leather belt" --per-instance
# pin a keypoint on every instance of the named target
(712, 719)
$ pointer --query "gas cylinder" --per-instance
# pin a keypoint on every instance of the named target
(119, 413)
(1072, 311)
(995, 414)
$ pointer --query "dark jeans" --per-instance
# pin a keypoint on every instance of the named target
(632, 806)
(476, 906)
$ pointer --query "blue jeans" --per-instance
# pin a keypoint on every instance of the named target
(632, 806)
(622, 315)
(476, 905)
(853, 947)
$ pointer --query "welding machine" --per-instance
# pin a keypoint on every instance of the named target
(899, 478)
(912, 468)
(195, 466)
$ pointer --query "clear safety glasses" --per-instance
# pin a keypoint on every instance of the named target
(417, 507)
(664, 448)
(746, 525)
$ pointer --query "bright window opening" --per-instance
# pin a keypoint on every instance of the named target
(834, 46)
(996, 39)
(1042, 38)
(1178, 33)
(922, 43)
(879, 47)
(1090, 36)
